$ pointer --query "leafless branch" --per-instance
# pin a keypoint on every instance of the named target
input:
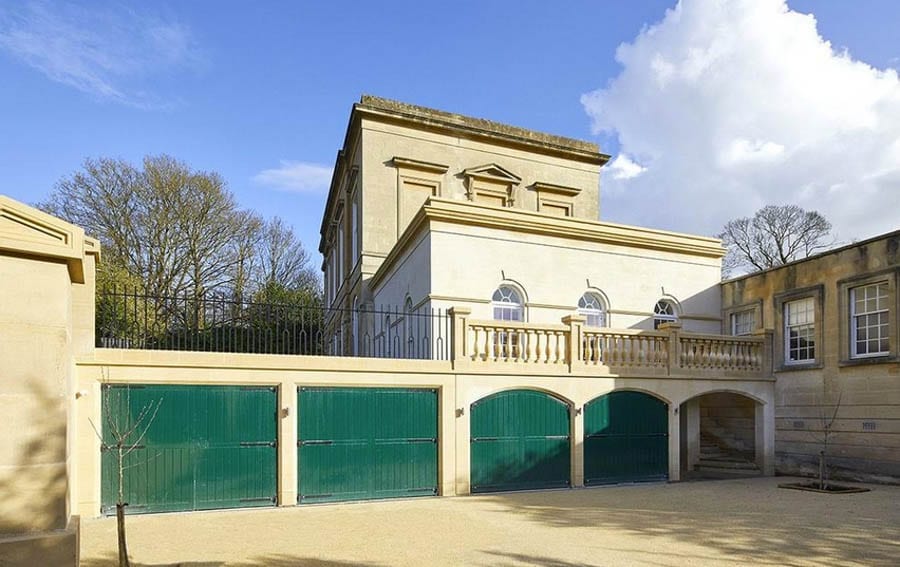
(774, 236)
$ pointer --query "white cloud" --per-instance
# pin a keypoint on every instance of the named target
(732, 105)
(297, 177)
(104, 53)
(741, 151)
(623, 167)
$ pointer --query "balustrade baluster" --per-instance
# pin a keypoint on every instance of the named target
(561, 351)
(545, 351)
(516, 344)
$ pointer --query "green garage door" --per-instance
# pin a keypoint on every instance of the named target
(519, 441)
(625, 439)
(362, 443)
(208, 447)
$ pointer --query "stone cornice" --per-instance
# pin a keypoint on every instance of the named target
(527, 222)
(542, 187)
(408, 163)
(467, 126)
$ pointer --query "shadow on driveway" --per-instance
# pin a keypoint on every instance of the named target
(748, 519)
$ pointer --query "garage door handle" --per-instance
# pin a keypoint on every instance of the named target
(257, 443)
(316, 442)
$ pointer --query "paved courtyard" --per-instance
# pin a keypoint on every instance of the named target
(731, 522)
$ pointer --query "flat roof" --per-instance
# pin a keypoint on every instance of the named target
(476, 126)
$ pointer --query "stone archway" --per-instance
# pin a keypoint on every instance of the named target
(721, 436)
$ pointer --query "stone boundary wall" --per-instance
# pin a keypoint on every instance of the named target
(456, 392)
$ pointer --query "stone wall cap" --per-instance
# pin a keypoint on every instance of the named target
(27, 231)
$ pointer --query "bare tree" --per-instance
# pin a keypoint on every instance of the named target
(123, 433)
(826, 434)
(166, 225)
(282, 259)
(774, 236)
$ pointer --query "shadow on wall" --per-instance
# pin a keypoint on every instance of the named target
(35, 489)
(784, 531)
(269, 560)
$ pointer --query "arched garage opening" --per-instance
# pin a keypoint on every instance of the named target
(520, 440)
(719, 436)
(626, 439)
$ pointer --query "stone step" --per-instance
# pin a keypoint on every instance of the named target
(713, 453)
(726, 472)
(727, 464)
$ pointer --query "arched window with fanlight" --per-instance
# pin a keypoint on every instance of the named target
(592, 307)
(664, 312)
(507, 304)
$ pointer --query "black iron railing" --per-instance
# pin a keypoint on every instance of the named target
(220, 322)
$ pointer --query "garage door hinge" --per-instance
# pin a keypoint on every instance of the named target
(105, 448)
(311, 496)
(429, 489)
(262, 499)
(259, 443)
(315, 442)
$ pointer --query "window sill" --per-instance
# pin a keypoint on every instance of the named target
(800, 366)
(867, 360)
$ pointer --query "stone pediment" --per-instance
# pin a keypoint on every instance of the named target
(26, 230)
(493, 172)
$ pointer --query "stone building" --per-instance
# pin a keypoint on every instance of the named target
(549, 349)
(835, 322)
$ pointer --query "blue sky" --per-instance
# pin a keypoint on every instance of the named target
(247, 88)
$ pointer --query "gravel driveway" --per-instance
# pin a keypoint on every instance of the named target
(730, 522)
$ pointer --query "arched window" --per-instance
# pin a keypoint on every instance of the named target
(507, 304)
(664, 312)
(594, 310)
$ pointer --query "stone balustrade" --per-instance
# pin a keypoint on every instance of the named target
(721, 353)
(507, 341)
(624, 347)
(574, 348)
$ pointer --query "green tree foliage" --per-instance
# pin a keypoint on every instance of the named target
(169, 231)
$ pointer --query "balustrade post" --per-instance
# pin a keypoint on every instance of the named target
(674, 362)
(459, 322)
(573, 338)
(766, 364)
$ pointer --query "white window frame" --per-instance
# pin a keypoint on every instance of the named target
(660, 315)
(595, 316)
(341, 260)
(354, 231)
(736, 323)
(808, 323)
(501, 302)
(882, 307)
(506, 343)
